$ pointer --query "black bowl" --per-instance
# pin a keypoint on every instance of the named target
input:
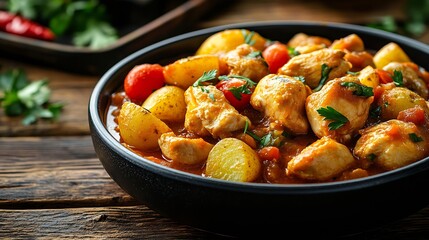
(249, 209)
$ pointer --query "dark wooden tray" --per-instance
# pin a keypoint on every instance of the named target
(138, 25)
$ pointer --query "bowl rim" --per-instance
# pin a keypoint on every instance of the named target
(267, 188)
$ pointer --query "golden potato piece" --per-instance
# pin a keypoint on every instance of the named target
(167, 103)
(140, 128)
(369, 77)
(184, 72)
(227, 40)
(391, 52)
(233, 160)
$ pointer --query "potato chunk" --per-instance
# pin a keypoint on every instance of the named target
(184, 72)
(167, 103)
(391, 52)
(391, 144)
(233, 160)
(184, 150)
(140, 128)
(227, 40)
(309, 66)
(321, 161)
(392, 101)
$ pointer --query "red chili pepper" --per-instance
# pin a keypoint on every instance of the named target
(18, 25)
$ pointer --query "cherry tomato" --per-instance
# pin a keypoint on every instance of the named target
(236, 91)
(276, 55)
(142, 80)
(384, 76)
(269, 153)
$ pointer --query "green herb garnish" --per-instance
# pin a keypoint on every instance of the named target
(415, 138)
(397, 78)
(206, 77)
(358, 90)
(338, 119)
(85, 20)
(243, 89)
(248, 35)
(19, 96)
(293, 52)
(325, 74)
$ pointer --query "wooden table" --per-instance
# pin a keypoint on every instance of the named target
(53, 186)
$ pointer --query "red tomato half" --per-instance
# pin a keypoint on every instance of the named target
(233, 91)
(276, 55)
(142, 80)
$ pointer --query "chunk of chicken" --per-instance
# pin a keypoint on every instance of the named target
(184, 150)
(304, 43)
(391, 144)
(244, 62)
(309, 66)
(208, 112)
(344, 100)
(282, 99)
(321, 161)
(410, 78)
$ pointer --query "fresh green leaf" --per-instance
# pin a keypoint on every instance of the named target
(325, 74)
(97, 35)
(386, 23)
(358, 89)
(254, 54)
(415, 138)
(300, 78)
(248, 35)
(397, 78)
(337, 119)
(293, 52)
(19, 96)
(206, 77)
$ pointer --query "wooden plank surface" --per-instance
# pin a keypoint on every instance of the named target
(53, 186)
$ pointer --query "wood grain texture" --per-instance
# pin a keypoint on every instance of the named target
(54, 172)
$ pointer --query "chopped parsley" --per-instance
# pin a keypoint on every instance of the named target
(248, 35)
(415, 138)
(338, 119)
(371, 156)
(243, 89)
(206, 77)
(254, 54)
(293, 52)
(358, 90)
(325, 74)
(19, 96)
(397, 78)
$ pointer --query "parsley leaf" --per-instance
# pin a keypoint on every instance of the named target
(397, 78)
(338, 119)
(415, 138)
(358, 90)
(293, 52)
(206, 77)
(248, 35)
(85, 20)
(19, 96)
(243, 89)
(325, 74)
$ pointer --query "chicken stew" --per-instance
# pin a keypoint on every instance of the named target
(249, 109)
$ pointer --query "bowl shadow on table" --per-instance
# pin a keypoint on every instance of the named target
(249, 210)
